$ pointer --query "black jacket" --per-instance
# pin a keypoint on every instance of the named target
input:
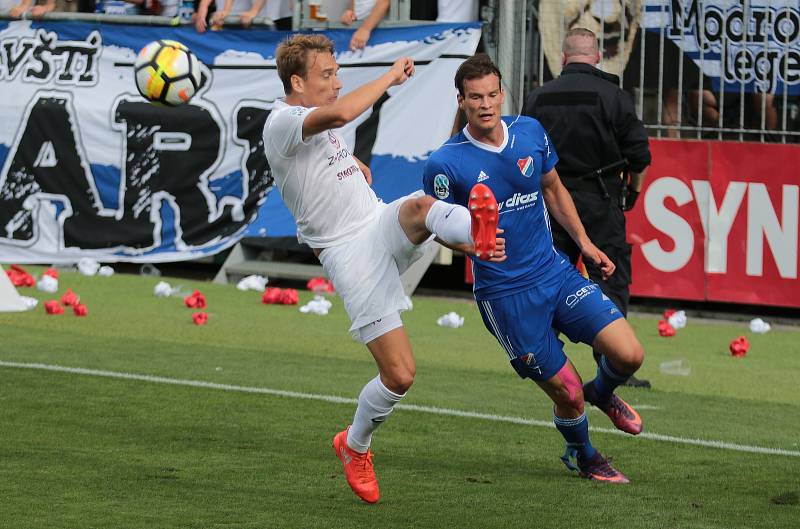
(591, 121)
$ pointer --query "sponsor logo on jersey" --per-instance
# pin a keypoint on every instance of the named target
(441, 186)
(526, 166)
(519, 199)
(298, 111)
(574, 299)
(333, 139)
(482, 176)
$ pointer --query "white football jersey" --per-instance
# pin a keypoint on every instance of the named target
(362, 8)
(457, 11)
(318, 179)
(238, 7)
(276, 9)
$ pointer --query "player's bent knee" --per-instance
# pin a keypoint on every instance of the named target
(629, 358)
(570, 394)
(399, 381)
(417, 208)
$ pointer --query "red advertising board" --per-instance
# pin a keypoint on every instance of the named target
(718, 221)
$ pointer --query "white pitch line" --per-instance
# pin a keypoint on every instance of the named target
(410, 407)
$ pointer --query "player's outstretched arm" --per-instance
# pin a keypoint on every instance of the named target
(349, 107)
(562, 208)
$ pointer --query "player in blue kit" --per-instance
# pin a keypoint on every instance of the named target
(535, 293)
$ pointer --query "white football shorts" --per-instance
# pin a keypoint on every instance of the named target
(366, 270)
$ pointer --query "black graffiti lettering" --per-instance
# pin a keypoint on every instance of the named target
(762, 19)
(41, 73)
(153, 169)
(68, 72)
(713, 27)
(249, 127)
(46, 159)
(740, 66)
(169, 155)
(765, 67)
(679, 24)
(790, 67)
(787, 26)
(12, 61)
(43, 56)
(735, 29)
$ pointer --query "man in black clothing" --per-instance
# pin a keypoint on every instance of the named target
(603, 156)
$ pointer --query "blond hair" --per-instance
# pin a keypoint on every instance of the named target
(293, 54)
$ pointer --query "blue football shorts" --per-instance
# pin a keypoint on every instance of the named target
(527, 322)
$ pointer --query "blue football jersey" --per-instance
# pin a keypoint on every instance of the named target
(513, 172)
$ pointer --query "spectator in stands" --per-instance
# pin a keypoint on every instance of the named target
(226, 8)
(279, 11)
(122, 7)
(371, 12)
(457, 11)
(38, 10)
(729, 113)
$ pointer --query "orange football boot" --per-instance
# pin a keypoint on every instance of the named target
(357, 469)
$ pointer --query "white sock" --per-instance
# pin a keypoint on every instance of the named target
(450, 222)
(375, 403)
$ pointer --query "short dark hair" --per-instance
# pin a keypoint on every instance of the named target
(291, 56)
(579, 41)
(477, 66)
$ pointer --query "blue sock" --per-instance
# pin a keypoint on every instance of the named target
(607, 380)
(576, 433)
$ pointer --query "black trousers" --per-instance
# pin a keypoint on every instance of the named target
(604, 222)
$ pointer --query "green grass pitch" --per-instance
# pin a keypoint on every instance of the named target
(92, 450)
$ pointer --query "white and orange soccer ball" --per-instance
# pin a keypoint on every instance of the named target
(167, 72)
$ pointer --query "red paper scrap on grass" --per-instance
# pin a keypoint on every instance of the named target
(69, 298)
(196, 300)
(20, 277)
(739, 347)
(53, 307)
(665, 329)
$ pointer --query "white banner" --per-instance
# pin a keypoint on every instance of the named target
(89, 169)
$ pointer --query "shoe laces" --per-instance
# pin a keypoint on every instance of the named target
(603, 466)
(362, 463)
(618, 406)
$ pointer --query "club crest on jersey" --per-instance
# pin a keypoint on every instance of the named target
(526, 166)
(441, 186)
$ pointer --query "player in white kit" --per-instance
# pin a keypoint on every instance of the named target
(363, 244)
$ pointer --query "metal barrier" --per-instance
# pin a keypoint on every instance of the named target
(141, 20)
(710, 69)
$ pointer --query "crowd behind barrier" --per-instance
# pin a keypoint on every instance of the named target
(711, 69)
(697, 69)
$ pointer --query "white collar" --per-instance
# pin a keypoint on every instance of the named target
(486, 146)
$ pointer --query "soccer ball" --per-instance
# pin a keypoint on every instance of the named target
(167, 73)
